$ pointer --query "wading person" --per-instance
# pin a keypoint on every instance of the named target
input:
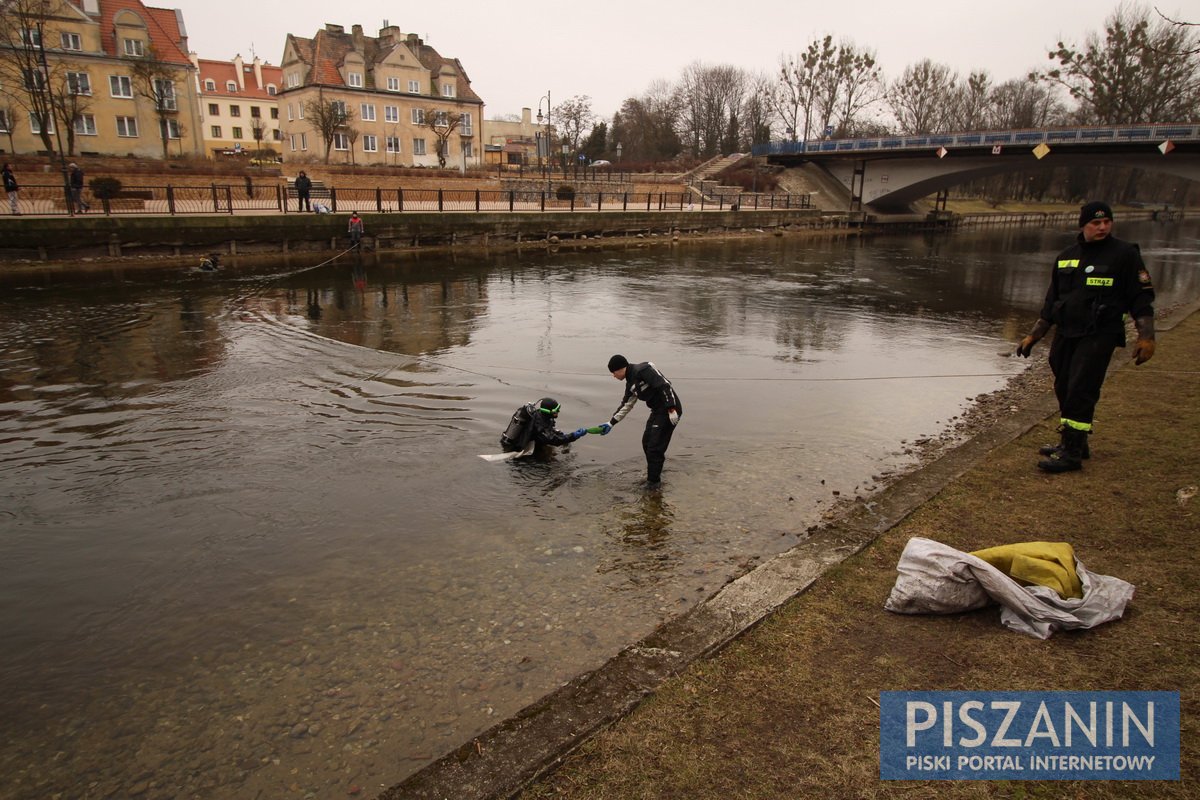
(534, 422)
(644, 382)
(1094, 284)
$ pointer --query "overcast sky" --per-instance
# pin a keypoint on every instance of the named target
(613, 49)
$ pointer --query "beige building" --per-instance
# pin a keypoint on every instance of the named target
(95, 67)
(239, 108)
(516, 144)
(386, 85)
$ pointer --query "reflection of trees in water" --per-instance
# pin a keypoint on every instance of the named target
(642, 538)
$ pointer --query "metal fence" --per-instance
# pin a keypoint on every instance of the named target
(233, 199)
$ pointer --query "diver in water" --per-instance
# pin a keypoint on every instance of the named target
(534, 422)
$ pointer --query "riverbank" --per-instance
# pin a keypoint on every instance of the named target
(790, 708)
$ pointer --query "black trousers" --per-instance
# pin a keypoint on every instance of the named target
(1079, 366)
(655, 440)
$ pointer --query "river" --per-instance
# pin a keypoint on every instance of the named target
(249, 549)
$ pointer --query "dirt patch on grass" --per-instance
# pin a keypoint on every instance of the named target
(790, 709)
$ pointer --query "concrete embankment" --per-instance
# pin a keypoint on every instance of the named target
(118, 237)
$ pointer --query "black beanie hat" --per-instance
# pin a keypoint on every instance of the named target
(1094, 210)
(617, 362)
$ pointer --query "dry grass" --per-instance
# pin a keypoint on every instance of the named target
(789, 710)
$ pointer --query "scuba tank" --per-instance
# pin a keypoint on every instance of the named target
(520, 429)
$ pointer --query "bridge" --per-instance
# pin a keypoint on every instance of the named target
(887, 174)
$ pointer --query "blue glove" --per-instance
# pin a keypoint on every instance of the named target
(579, 434)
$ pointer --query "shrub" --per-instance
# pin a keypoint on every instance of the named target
(105, 188)
(565, 192)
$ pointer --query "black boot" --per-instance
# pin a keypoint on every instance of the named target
(1051, 449)
(1069, 456)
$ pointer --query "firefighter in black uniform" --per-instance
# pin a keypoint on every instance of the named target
(1095, 283)
(534, 422)
(644, 382)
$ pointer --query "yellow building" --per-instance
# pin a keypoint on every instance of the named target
(118, 73)
(239, 107)
(386, 86)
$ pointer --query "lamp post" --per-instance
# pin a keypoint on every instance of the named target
(619, 152)
(547, 145)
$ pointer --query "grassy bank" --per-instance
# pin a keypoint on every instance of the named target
(790, 709)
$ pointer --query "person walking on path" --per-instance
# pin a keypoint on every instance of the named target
(76, 181)
(11, 187)
(1094, 284)
(303, 187)
(355, 229)
(644, 382)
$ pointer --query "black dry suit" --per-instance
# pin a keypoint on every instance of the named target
(530, 424)
(1094, 285)
(644, 382)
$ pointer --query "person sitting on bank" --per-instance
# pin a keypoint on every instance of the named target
(534, 422)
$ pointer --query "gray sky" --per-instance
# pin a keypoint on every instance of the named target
(613, 49)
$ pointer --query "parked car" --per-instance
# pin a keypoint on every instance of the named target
(600, 162)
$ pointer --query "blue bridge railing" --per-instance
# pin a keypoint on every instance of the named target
(986, 139)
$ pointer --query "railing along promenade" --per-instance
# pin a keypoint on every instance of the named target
(50, 200)
(1115, 134)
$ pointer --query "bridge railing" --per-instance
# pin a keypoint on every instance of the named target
(989, 139)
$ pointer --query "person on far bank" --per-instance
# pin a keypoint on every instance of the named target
(11, 188)
(1094, 284)
(644, 382)
(75, 179)
(355, 229)
(303, 187)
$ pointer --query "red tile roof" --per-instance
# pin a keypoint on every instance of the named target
(162, 26)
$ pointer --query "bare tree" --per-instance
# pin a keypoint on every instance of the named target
(795, 97)
(1025, 104)
(351, 133)
(442, 123)
(70, 97)
(918, 98)
(710, 98)
(1194, 47)
(847, 84)
(575, 119)
(328, 119)
(1143, 70)
(968, 110)
(647, 126)
(25, 75)
(154, 79)
(10, 117)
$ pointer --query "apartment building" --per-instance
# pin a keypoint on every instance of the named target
(118, 71)
(239, 106)
(387, 86)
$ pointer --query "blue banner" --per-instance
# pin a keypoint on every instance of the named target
(1056, 736)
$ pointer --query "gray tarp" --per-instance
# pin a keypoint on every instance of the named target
(937, 579)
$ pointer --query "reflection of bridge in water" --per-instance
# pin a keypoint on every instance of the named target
(889, 173)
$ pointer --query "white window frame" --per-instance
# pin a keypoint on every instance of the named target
(173, 129)
(419, 147)
(354, 80)
(292, 80)
(210, 85)
(77, 86)
(392, 143)
(367, 112)
(304, 141)
(3, 121)
(120, 86)
(127, 127)
(31, 37)
(465, 128)
(393, 84)
(164, 91)
(291, 118)
(35, 79)
(85, 125)
(134, 47)
(418, 116)
(448, 90)
(70, 41)
(35, 128)
(341, 141)
(391, 114)
(468, 149)
(414, 87)
(370, 143)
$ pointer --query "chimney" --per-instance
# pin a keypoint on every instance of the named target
(526, 117)
(258, 73)
(331, 28)
(240, 72)
(356, 32)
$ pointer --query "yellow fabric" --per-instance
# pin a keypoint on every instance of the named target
(1050, 564)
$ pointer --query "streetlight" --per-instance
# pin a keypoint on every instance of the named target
(618, 152)
(547, 145)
